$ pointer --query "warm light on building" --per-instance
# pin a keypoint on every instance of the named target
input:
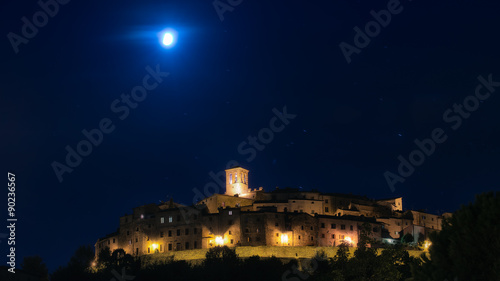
(219, 241)
(284, 239)
(427, 244)
(348, 239)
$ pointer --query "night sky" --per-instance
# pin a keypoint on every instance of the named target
(347, 122)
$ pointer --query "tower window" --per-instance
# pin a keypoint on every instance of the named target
(235, 178)
(230, 178)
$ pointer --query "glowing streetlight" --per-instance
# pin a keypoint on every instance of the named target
(219, 241)
(284, 239)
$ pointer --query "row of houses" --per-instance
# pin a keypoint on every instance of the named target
(253, 217)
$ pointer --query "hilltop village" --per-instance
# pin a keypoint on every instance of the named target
(253, 217)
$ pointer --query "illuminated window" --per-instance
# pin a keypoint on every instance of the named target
(235, 178)
(170, 219)
(162, 220)
(230, 178)
(142, 216)
(230, 213)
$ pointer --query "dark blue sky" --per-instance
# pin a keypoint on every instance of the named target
(225, 78)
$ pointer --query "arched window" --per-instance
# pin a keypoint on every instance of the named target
(230, 178)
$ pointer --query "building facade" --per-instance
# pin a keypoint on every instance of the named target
(252, 217)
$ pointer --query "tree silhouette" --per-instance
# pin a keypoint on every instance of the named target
(34, 265)
(467, 247)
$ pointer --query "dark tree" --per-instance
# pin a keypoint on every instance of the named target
(408, 238)
(34, 265)
(467, 247)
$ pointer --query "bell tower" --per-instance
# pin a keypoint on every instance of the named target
(236, 181)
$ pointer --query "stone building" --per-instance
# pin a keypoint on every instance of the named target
(252, 217)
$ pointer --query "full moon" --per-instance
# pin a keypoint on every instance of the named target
(168, 39)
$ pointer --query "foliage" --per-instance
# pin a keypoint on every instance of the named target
(408, 238)
(467, 247)
(34, 265)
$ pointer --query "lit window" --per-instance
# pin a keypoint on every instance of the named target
(162, 220)
(170, 219)
(142, 216)
(230, 213)
(230, 178)
(235, 178)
